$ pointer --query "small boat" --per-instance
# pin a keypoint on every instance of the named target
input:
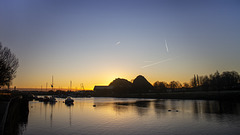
(40, 99)
(45, 99)
(52, 99)
(36, 98)
(69, 100)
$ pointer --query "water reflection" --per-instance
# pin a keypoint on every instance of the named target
(197, 107)
(111, 114)
(140, 106)
(214, 107)
(218, 108)
(120, 108)
(70, 112)
(51, 114)
(69, 104)
(160, 107)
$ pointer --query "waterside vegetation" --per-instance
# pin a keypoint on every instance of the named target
(224, 86)
(217, 86)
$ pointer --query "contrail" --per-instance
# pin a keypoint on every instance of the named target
(118, 43)
(156, 63)
(166, 45)
(148, 61)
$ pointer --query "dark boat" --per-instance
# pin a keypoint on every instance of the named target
(52, 99)
(40, 99)
(45, 99)
(69, 100)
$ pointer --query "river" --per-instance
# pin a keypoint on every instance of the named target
(118, 116)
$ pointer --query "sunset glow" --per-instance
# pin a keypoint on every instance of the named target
(94, 42)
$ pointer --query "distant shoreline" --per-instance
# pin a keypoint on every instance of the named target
(233, 95)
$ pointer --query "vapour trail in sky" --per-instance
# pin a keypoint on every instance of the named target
(166, 45)
(157, 63)
(147, 61)
(118, 43)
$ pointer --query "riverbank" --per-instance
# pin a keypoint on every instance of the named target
(13, 113)
(193, 94)
(3, 113)
(198, 95)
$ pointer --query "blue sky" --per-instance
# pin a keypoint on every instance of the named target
(93, 42)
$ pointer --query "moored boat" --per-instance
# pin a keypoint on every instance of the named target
(45, 99)
(69, 100)
(52, 99)
(40, 99)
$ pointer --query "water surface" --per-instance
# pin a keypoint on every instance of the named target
(133, 116)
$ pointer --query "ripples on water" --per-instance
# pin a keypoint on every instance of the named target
(133, 116)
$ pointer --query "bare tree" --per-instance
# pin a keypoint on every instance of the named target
(160, 85)
(194, 82)
(186, 85)
(8, 66)
(175, 85)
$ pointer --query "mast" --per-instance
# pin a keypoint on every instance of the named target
(82, 86)
(70, 85)
(52, 83)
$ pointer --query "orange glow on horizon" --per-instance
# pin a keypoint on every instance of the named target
(91, 79)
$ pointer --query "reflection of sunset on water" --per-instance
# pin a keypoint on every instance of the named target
(129, 115)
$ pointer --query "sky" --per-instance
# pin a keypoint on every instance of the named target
(92, 42)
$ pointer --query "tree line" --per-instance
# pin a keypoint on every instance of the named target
(227, 80)
(216, 81)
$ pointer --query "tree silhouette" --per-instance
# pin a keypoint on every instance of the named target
(193, 82)
(217, 81)
(197, 81)
(186, 85)
(175, 85)
(229, 79)
(160, 85)
(204, 81)
(8, 66)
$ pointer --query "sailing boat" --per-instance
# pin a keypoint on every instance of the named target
(52, 99)
(69, 100)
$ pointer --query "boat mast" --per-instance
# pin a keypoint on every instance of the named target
(70, 85)
(52, 83)
(82, 86)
